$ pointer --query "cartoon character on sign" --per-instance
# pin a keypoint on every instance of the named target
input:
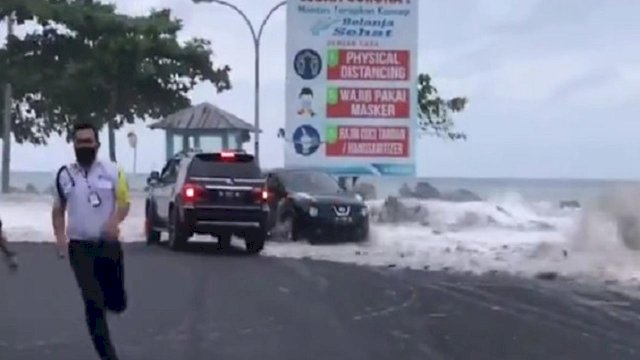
(306, 102)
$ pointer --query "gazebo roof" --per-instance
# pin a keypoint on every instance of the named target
(204, 116)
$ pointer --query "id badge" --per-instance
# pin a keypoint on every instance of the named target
(94, 199)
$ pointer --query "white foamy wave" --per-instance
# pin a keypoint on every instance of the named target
(605, 239)
(27, 218)
(502, 234)
(510, 212)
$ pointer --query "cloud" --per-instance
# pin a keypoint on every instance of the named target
(504, 12)
(540, 75)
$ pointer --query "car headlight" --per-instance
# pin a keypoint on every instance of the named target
(359, 197)
(313, 211)
(364, 211)
(304, 196)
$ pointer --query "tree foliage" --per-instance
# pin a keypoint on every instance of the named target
(86, 62)
(435, 114)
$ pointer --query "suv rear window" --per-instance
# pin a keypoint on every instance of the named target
(214, 165)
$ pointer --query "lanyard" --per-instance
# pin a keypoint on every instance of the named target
(85, 174)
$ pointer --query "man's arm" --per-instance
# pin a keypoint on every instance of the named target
(58, 210)
(59, 224)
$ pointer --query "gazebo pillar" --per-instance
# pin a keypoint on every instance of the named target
(185, 142)
(168, 144)
(225, 140)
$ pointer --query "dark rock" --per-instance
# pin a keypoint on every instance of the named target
(366, 190)
(469, 219)
(394, 211)
(547, 275)
(502, 210)
(542, 226)
(424, 190)
(570, 204)
(405, 191)
(461, 195)
(31, 189)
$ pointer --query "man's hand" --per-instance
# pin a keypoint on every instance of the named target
(62, 246)
(112, 230)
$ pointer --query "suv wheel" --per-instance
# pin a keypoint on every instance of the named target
(255, 242)
(177, 236)
(152, 236)
(224, 241)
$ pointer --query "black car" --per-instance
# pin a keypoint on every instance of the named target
(310, 204)
(221, 194)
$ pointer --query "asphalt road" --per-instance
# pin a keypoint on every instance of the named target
(206, 305)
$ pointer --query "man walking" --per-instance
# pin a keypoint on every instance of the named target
(95, 196)
(9, 255)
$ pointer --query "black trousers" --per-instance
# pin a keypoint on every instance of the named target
(99, 271)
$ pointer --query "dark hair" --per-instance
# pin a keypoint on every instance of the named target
(306, 91)
(85, 126)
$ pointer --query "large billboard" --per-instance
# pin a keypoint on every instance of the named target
(351, 86)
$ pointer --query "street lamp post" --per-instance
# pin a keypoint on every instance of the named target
(257, 36)
(133, 142)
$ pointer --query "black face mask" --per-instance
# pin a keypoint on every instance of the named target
(85, 155)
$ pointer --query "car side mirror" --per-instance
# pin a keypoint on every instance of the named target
(342, 183)
(153, 178)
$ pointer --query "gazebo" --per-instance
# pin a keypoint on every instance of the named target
(204, 126)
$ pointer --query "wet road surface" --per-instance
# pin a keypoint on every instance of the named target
(203, 304)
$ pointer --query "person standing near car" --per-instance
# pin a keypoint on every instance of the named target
(9, 255)
(95, 196)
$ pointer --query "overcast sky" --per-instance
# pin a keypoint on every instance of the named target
(554, 86)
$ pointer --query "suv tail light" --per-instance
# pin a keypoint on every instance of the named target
(191, 192)
(262, 195)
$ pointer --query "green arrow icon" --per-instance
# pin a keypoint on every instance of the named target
(331, 134)
(333, 57)
(332, 96)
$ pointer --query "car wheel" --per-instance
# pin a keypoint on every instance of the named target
(224, 241)
(290, 229)
(362, 235)
(255, 242)
(177, 236)
(152, 235)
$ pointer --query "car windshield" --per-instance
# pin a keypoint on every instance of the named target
(313, 182)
